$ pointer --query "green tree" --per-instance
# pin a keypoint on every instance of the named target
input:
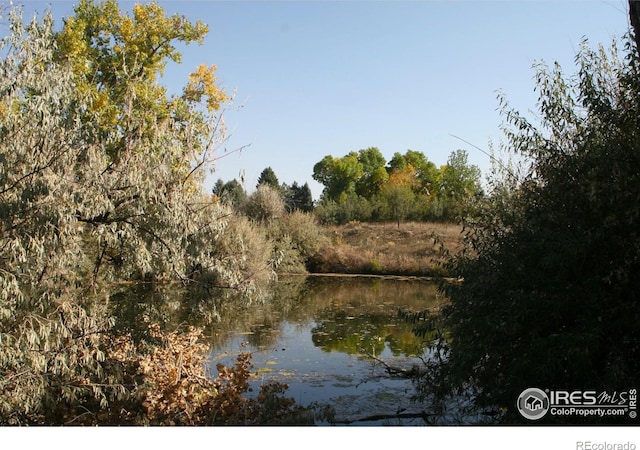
(338, 175)
(425, 171)
(116, 60)
(399, 199)
(374, 174)
(351, 207)
(459, 179)
(231, 193)
(458, 184)
(299, 198)
(550, 296)
(268, 177)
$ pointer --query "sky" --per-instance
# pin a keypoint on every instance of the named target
(316, 78)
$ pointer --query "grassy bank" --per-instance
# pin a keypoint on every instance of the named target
(415, 249)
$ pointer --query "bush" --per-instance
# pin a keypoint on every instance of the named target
(550, 296)
(165, 381)
(244, 245)
(264, 205)
(297, 238)
(351, 208)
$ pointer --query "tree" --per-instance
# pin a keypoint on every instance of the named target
(116, 60)
(338, 175)
(268, 177)
(374, 173)
(425, 171)
(100, 181)
(399, 199)
(299, 198)
(550, 293)
(458, 183)
(231, 193)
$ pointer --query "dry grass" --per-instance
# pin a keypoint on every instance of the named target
(373, 248)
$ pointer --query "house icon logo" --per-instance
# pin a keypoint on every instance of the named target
(533, 403)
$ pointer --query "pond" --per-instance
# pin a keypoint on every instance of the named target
(326, 338)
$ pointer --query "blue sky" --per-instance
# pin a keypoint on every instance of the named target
(327, 77)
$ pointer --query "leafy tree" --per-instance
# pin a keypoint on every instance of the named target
(424, 171)
(550, 292)
(352, 207)
(459, 182)
(116, 60)
(361, 182)
(338, 175)
(399, 199)
(459, 179)
(374, 173)
(100, 180)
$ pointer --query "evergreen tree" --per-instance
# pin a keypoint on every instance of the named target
(268, 177)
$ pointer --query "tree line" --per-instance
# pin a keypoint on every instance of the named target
(294, 197)
(363, 186)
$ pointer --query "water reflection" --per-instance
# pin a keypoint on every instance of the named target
(350, 315)
(317, 334)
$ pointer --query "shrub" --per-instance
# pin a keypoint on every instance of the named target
(550, 292)
(264, 205)
(297, 239)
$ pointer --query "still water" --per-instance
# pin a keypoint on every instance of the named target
(325, 337)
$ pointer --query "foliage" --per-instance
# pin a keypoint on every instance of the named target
(247, 246)
(100, 181)
(338, 175)
(374, 172)
(550, 292)
(459, 184)
(264, 205)
(268, 177)
(298, 239)
(352, 207)
(116, 60)
(425, 171)
(363, 186)
(231, 193)
(168, 383)
(278, 217)
(177, 390)
(298, 198)
(399, 199)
